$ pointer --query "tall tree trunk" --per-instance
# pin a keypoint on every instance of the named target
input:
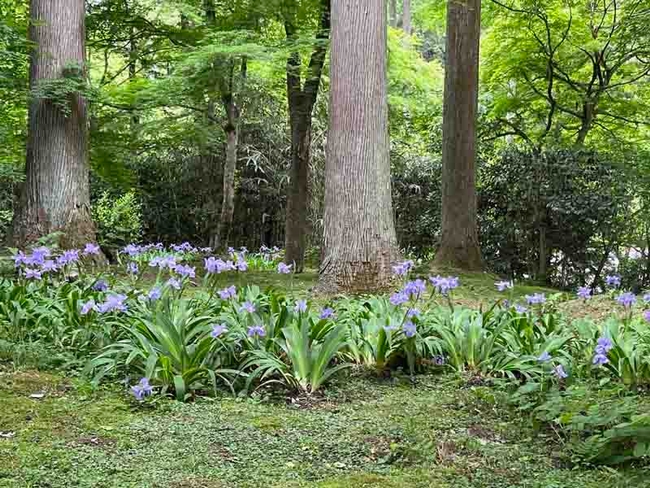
(231, 129)
(359, 233)
(301, 106)
(392, 6)
(297, 225)
(56, 192)
(228, 201)
(459, 247)
(406, 17)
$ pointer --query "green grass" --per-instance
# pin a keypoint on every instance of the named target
(362, 433)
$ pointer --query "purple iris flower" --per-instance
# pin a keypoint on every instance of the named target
(604, 345)
(218, 330)
(559, 372)
(301, 306)
(626, 299)
(646, 315)
(402, 269)
(256, 331)
(174, 283)
(154, 294)
(544, 357)
(132, 250)
(613, 280)
(88, 306)
(284, 268)
(100, 285)
(415, 288)
(185, 271)
(504, 285)
(444, 285)
(520, 308)
(409, 329)
(412, 312)
(600, 359)
(19, 258)
(48, 266)
(32, 274)
(536, 299)
(241, 265)
(68, 257)
(399, 298)
(142, 389)
(439, 360)
(247, 307)
(40, 253)
(91, 249)
(228, 293)
(132, 268)
(163, 262)
(327, 313)
(584, 292)
(113, 303)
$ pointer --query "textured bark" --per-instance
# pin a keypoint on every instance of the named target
(56, 193)
(228, 202)
(459, 247)
(406, 17)
(231, 128)
(359, 232)
(301, 105)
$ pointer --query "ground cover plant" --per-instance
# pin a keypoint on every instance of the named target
(163, 325)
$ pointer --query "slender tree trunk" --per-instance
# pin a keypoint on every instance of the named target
(297, 225)
(392, 6)
(406, 17)
(231, 129)
(459, 247)
(301, 106)
(359, 233)
(228, 201)
(56, 193)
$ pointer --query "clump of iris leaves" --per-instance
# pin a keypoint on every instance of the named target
(163, 324)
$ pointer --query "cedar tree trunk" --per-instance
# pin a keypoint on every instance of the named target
(359, 233)
(459, 247)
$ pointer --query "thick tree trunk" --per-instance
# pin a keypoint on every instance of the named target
(301, 106)
(359, 233)
(406, 17)
(459, 247)
(392, 6)
(56, 193)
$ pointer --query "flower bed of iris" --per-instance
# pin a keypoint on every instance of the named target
(417, 321)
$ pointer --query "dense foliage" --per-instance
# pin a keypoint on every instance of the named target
(166, 325)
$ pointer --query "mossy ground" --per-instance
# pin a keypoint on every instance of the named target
(362, 433)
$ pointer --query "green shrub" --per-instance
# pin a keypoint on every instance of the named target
(118, 220)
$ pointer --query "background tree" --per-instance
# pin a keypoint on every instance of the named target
(56, 194)
(359, 242)
(301, 101)
(459, 245)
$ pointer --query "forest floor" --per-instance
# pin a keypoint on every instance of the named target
(363, 432)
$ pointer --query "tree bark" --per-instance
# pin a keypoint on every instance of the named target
(359, 233)
(459, 246)
(406, 17)
(301, 106)
(231, 129)
(56, 193)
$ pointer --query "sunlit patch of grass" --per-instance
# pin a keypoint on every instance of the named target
(362, 434)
